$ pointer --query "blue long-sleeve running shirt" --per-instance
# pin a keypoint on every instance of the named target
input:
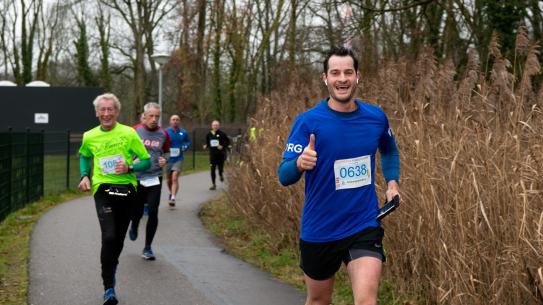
(179, 143)
(340, 198)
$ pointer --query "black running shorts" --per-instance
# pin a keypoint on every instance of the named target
(321, 260)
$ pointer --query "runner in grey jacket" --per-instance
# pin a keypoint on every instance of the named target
(157, 142)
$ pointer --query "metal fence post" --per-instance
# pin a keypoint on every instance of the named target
(10, 168)
(28, 164)
(68, 159)
(194, 150)
(42, 192)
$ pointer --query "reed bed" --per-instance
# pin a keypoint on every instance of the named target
(471, 228)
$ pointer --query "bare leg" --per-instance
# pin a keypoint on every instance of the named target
(174, 183)
(169, 181)
(319, 292)
(364, 273)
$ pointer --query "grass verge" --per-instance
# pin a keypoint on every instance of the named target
(15, 232)
(256, 247)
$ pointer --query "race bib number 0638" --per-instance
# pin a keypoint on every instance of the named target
(352, 173)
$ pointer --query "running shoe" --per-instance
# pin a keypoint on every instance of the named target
(222, 178)
(171, 201)
(213, 187)
(109, 297)
(133, 233)
(148, 254)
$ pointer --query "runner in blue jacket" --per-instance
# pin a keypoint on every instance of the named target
(335, 144)
(179, 143)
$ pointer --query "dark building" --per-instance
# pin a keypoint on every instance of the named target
(48, 108)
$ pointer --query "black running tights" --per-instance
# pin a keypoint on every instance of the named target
(114, 215)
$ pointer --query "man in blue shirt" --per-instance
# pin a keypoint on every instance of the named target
(335, 144)
(179, 142)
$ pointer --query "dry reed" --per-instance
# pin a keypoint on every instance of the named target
(471, 229)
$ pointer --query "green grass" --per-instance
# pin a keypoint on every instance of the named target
(258, 248)
(54, 173)
(15, 232)
(54, 170)
(201, 162)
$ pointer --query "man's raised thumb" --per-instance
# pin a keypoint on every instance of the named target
(311, 142)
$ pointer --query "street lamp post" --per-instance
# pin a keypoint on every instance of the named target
(160, 59)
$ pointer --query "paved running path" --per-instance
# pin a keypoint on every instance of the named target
(191, 269)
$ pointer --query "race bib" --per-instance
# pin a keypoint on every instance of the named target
(107, 164)
(352, 173)
(214, 143)
(174, 152)
(150, 181)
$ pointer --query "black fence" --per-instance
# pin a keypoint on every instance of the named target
(21, 170)
(34, 164)
(61, 161)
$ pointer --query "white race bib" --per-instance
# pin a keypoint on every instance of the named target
(352, 173)
(174, 152)
(150, 181)
(214, 143)
(107, 164)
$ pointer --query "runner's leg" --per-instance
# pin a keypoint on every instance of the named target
(107, 227)
(174, 182)
(114, 216)
(123, 215)
(138, 205)
(364, 273)
(364, 263)
(153, 199)
(169, 179)
(319, 292)
(220, 164)
(213, 166)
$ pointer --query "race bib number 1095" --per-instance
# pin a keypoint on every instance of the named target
(107, 164)
(352, 173)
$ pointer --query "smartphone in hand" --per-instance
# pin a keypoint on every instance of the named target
(388, 207)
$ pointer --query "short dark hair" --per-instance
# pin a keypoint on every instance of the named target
(340, 51)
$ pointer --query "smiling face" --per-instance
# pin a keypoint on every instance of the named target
(341, 79)
(107, 113)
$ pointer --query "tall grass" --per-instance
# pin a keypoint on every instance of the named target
(471, 144)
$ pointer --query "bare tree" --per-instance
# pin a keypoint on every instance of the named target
(104, 30)
(142, 18)
(217, 24)
(23, 16)
(238, 25)
(48, 31)
(4, 47)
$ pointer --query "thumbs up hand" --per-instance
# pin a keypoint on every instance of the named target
(308, 159)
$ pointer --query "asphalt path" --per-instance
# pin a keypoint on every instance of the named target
(191, 267)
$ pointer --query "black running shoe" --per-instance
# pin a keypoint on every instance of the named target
(148, 254)
(109, 297)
